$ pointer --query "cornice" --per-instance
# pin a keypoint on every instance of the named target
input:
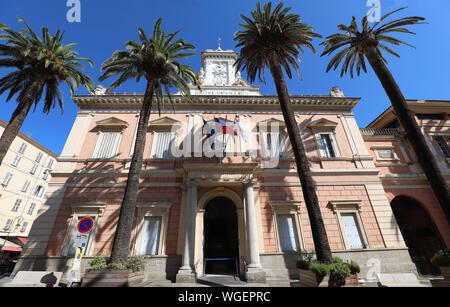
(130, 100)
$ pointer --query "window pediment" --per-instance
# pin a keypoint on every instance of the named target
(323, 124)
(164, 123)
(266, 125)
(111, 123)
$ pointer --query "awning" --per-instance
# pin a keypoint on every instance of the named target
(22, 240)
(9, 246)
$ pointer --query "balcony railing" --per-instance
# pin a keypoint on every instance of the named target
(380, 131)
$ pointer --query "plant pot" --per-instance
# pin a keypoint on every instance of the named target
(112, 278)
(445, 270)
(307, 278)
(352, 281)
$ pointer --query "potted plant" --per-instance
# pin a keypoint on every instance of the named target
(307, 278)
(354, 268)
(339, 272)
(442, 260)
(321, 270)
(102, 274)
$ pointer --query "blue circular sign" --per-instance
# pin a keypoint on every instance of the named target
(85, 225)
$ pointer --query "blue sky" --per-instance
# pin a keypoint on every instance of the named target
(106, 25)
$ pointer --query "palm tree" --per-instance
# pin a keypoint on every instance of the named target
(369, 43)
(274, 39)
(40, 63)
(155, 60)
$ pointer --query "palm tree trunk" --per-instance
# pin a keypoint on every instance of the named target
(416, 138)
(122, 236)
(18, 117)
(320, 238)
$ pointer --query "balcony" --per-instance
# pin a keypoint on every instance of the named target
(380, 132)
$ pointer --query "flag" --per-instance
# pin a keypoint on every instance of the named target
(239, 129)
(225, 126)
(210, 132)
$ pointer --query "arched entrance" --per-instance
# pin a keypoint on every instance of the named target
(221, 244)
(419, 232)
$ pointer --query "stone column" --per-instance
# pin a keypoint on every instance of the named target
(255, 273)
(186, 274)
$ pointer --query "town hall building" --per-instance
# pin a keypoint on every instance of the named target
(219, 190)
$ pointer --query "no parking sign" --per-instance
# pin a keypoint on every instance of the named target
(85, 225)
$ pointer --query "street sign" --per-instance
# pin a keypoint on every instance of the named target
(85, 225)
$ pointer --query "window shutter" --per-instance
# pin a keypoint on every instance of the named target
(162, 145)
(25, 186)
(288, 233)
(335, 146)
(282, 142)
(6, 179)
(320, 145)
(150, 238)
(107, 145)
(352, 230)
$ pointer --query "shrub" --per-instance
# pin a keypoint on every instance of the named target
(339, 271)
(442, 259)
(302, 264)
(354, 267)
(99, 263)
(135, 263)
(320, 269)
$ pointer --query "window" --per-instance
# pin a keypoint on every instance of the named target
(39, 157)
(25, 186)
(76, 236)
(107, 145)
(6, 179)
(16, 160)
(33, 169)
(46, 173)
(288, 233)
(287, 225)
(162, 144)
(385, 153)
(22, 148)
(276, 145)
(350, 223)
(442, 145)
(8, 224)
(50, 163)
(16, 205)
(151, 235)
(352, 230)
(24, 227)
(31, 209)
(152, 228)
(80, 211)
(327, 145)
(38, 191)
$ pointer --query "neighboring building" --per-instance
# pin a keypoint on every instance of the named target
(242, 214)
(419, 215)
(24, 177)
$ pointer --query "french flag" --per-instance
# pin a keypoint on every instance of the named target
(226, 127)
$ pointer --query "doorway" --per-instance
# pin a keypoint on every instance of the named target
(419, 232)
(221, 243)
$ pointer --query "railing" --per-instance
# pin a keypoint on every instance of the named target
(379, 131)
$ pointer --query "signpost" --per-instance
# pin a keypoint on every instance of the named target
(81, 238)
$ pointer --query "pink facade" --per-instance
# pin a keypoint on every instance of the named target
(355, 186)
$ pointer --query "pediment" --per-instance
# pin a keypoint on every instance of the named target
(323, 123)
(164, 122)
(112, 122)
(268, 123)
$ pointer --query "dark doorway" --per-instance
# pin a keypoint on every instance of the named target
(419, 232)
(221, 247)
